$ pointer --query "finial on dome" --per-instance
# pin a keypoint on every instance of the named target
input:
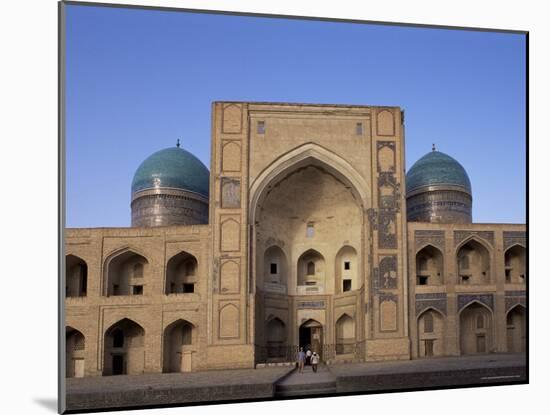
(178, 143)
(433, 147)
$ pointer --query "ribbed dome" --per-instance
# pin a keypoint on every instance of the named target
(437, 168)
(174, 168)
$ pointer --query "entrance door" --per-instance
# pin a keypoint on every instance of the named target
(311, 336)
(78, 368)
(118, 364)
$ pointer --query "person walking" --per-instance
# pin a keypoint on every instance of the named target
(300, 359)
(308, 357)
(314, 361)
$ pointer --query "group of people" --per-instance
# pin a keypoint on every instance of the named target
(307, 358)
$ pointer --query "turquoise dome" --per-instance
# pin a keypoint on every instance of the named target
(437, 168)
(172, 167)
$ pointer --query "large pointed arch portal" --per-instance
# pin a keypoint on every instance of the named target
(308, 154)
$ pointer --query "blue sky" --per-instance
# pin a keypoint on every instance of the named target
(139, 79)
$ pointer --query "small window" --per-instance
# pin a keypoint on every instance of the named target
(273, 268)
(261, 127)
(465, 279)
(137, 290)
(310, 230)
(346, 285)
(188, 288)
(422, 280)
(346, 265)
(311, 268)
(359, 128)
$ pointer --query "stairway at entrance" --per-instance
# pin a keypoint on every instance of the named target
(307, 383)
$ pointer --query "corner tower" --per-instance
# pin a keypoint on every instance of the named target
(170, 188)
(438, 190)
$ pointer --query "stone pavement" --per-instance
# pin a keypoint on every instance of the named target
(307, 383)
(172, 388)
(285, 382)
(429, 373)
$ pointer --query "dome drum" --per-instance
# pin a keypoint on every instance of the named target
(168, 208)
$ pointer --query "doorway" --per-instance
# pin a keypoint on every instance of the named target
(118, 364)
(311, 336)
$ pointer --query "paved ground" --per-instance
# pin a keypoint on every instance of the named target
(180, 380)
(266, 383)
(323, 375)
(430, 365)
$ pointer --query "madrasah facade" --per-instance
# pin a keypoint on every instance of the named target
(306, 231)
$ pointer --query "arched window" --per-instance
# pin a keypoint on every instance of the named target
(514, 265)
(428, 323)
(180, 274)
(310, 268)
(125, 273)
(429, 266)
(76, 277)
(474, 263)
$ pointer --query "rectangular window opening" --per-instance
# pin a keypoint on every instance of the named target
(310, 231)
(137, 290)
(273, 269)
(346, 285)
(261, 127)
(422, 280)
(188, 288)
(346, 265)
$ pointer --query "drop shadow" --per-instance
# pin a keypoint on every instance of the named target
(48, 403)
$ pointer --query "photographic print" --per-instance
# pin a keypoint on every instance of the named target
(270, 207)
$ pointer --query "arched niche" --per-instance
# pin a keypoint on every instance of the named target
(76, 282)
(179, 340)
(275, 270)
(74, 353)
(514, 265)
(124, 350)
(311, 269)
(347, 270)
(181, 274)
(473, 263)
(516, 329)
(476, 329)
(429, 266)
(345, 335)
(431, 334)
(127, 273)
(276, 337)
